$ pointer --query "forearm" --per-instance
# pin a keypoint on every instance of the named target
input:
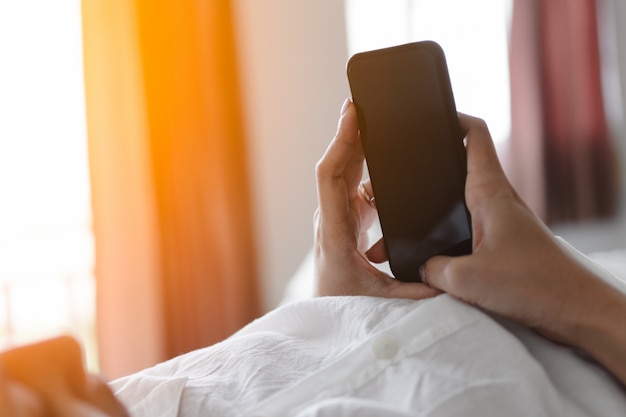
(578, 308)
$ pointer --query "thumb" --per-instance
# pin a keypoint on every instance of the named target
(433, 272)
(448, 274)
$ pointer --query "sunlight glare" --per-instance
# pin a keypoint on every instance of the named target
(46, 243)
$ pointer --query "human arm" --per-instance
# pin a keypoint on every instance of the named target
(48, 379)
(520, 271)
(342, 221)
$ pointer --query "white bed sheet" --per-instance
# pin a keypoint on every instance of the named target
(364, 356)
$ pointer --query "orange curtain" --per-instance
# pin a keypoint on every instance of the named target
(175, 259)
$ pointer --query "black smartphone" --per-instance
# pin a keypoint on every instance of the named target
(414, 151)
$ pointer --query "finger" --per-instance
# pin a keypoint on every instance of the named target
(377, 252)
(342, 147)
(344, 150)
(485, 177)
(481, 151)
(413, 291)
(453, 275)
(433, 273)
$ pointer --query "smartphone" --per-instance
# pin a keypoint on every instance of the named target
(414, 152)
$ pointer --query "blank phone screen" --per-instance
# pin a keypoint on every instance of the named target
(414, 152)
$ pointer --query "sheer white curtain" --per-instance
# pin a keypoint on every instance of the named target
(473, 34)
(46, 244)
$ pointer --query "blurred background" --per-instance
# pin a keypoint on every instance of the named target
(157, 158)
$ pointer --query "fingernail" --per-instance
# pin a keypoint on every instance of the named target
(422, 272)
(345, 106)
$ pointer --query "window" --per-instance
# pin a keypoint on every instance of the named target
(473, 34)
(46, 242)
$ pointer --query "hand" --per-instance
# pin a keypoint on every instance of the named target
(342, 221)
(520, 271)
(48, 379)
(17, 400)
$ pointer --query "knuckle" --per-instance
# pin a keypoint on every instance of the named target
(321, 169)
(326, 169)
(480, 123)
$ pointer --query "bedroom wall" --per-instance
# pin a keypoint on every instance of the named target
(293, 56)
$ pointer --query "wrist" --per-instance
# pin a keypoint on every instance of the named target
(601, 332)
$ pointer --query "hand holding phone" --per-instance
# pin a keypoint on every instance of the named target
(414, 151)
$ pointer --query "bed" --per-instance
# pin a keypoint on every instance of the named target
(364, 356)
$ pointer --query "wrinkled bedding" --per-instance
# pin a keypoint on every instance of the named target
(364, 356)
